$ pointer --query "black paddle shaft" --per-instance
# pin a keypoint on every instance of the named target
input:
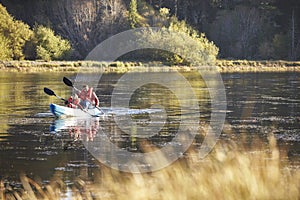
(51, 93)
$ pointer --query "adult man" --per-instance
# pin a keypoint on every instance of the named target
(88, 97)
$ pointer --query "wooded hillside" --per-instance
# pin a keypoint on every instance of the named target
(242, 29)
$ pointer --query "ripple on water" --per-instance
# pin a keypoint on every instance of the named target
(43, 115)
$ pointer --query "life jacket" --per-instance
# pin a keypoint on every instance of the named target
(73, 103)
(86, 95)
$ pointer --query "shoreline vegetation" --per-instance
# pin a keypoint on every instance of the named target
(223, 66)
(228, 172)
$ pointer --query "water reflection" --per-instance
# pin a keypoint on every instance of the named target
(78, 128)
(21, 96)
(87, 129)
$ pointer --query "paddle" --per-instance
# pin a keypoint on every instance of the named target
(51, 93)
(70, 84)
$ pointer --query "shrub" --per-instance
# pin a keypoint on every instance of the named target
(16, 33)
(176, 42)
(182, 45)
(50, 46)
(6, 52)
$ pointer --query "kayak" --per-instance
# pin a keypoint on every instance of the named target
(63, 111)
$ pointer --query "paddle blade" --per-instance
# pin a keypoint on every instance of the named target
(49, 92)
(67, 82)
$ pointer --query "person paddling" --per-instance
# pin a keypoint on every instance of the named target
(88, 97)
(74, 102)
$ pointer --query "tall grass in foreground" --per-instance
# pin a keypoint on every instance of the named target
(227, 173)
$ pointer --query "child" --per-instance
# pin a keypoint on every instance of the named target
(74, 102)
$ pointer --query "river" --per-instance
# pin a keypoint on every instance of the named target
(32, 141)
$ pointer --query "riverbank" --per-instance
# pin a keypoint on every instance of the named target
(257, 66)
(224, 66)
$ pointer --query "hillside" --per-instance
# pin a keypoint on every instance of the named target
(242, 29)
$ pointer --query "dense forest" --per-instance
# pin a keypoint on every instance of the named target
(241, 29)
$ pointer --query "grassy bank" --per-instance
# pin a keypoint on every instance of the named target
(227, 173)
(120, 67)
(257, 66)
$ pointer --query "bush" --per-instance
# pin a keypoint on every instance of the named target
(14, 33)
(50, 46)
(41, 43)
(6, 52)
(176, 43)
(182, 44)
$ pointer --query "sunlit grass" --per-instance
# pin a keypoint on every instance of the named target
(155, 66)
(227, 173)
(257, 65)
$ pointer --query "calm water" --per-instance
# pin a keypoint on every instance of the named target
(32, 141)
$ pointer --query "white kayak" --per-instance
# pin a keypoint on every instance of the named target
(63, 111)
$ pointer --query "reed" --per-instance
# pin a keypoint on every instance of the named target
(229, 172)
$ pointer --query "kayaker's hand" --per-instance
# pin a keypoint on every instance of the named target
(66, 102)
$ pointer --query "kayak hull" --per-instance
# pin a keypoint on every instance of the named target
(63, 111)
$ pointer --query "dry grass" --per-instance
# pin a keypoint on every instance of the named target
(122, 67)
(227, 173)
(258, 66)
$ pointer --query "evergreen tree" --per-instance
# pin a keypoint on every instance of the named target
(133, 14)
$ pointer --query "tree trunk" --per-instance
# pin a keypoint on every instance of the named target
(292, 55)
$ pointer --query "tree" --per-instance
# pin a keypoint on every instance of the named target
(50, 46)
(87, 23)
(20, 34)
(238, 32)
(133, 14)
(181, 43)
(280, 45)
(290, 26)
(6, 51)
(15, 34)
